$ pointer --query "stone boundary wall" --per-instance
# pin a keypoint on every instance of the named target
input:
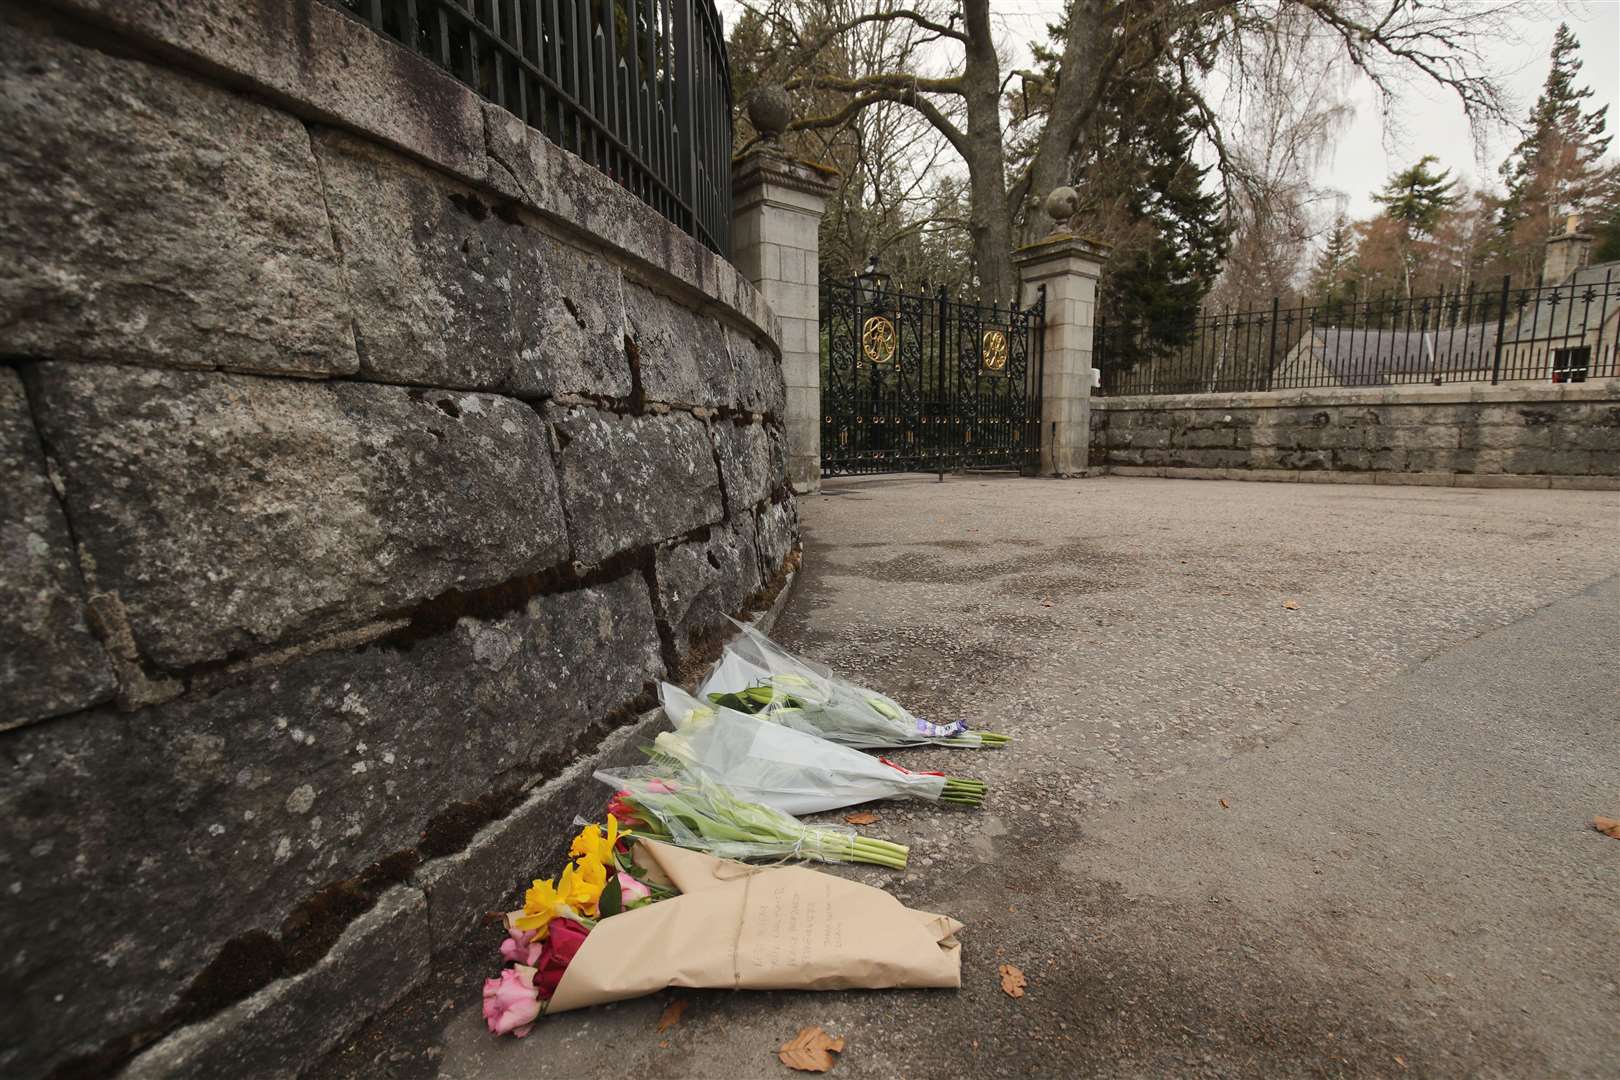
(366, 459)
(1565, 436)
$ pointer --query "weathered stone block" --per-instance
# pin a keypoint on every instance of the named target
(682, 354)
(492, 871)
(633, 480)
(572, 341)
(1208, 458)
(761, 386)
(231, 512)
(209, 818)
(1353, 460)
(778, 535)
(153, 219)
(1433, 437)
(1438, 460)
(324, 62)
(282, 1028)
(49, 662)
(1573, 435)
(748, 465)
(702, 582)
(1144, 438)
(448, 293)
(1430, 415)
(1303, 459)
(1554, 462)
(1195, 438)
(1330, 437)
(1506, 437)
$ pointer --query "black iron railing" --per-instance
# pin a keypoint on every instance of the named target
(638, 88)
(1549, 334)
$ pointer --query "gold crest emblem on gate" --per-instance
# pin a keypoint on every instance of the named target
(877, 339)
(994, 351)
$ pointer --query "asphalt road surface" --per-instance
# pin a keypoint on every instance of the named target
(1301, 786)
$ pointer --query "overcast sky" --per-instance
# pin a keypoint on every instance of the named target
(1363, 156)
(1366, 153)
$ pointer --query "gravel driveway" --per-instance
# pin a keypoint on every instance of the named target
(1300, 787)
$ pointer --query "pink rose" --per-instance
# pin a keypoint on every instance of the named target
(632, 891)
(664, 786)
(521, 947)
(511, 1002)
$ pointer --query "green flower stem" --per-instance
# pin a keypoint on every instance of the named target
(714, 814)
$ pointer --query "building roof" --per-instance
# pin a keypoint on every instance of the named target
(1588, 299)
(1360, 356)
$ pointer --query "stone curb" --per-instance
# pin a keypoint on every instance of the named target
(390, 950)
(279, 1030)
(1394, 479)
(1325, 397)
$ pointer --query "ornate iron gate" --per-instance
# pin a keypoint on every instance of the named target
(923, 383)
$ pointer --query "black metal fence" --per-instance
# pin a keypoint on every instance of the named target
(638, 88)
(919, 382)
(1549, 334)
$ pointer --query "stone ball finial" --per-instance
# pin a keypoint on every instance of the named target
(1060, 205)
(770, 110)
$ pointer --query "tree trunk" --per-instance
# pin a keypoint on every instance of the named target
(1073, 100)
(989, 222)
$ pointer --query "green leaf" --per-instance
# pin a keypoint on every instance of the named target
(612, 901)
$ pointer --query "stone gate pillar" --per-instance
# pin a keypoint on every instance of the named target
(779, 203)
(1068, 266)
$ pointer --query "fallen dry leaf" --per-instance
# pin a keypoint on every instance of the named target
(1291, 605)
(1400, 1061)
(1608, 826)
(810, 1050)
(1012, 981)
(864, 817)
(1225, 805)
(672, 1015)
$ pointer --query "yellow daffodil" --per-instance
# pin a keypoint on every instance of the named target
(581, 884)
(539, 905)
(590, 842)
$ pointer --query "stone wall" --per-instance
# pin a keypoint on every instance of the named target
(1483, 436)
(365, 461)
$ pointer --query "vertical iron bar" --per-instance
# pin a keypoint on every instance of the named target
(1271, 349)
(1501, 328)
(497, 67)
(640, 113)
(685, 160)
(1603, 315)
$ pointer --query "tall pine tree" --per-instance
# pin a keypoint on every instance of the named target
(1557, 169)
(1415, 198)
(1335, 267)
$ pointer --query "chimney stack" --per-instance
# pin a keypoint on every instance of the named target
(1567, 252)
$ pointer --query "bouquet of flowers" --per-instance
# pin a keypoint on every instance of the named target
(544, 934)
(691, 811)
(755, 675)
(705, 922)
(794, 771)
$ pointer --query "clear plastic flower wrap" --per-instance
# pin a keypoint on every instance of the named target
(797, 772)
(685, 808)
(756, 675)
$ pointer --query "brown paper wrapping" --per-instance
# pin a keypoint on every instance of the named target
(758, 928)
